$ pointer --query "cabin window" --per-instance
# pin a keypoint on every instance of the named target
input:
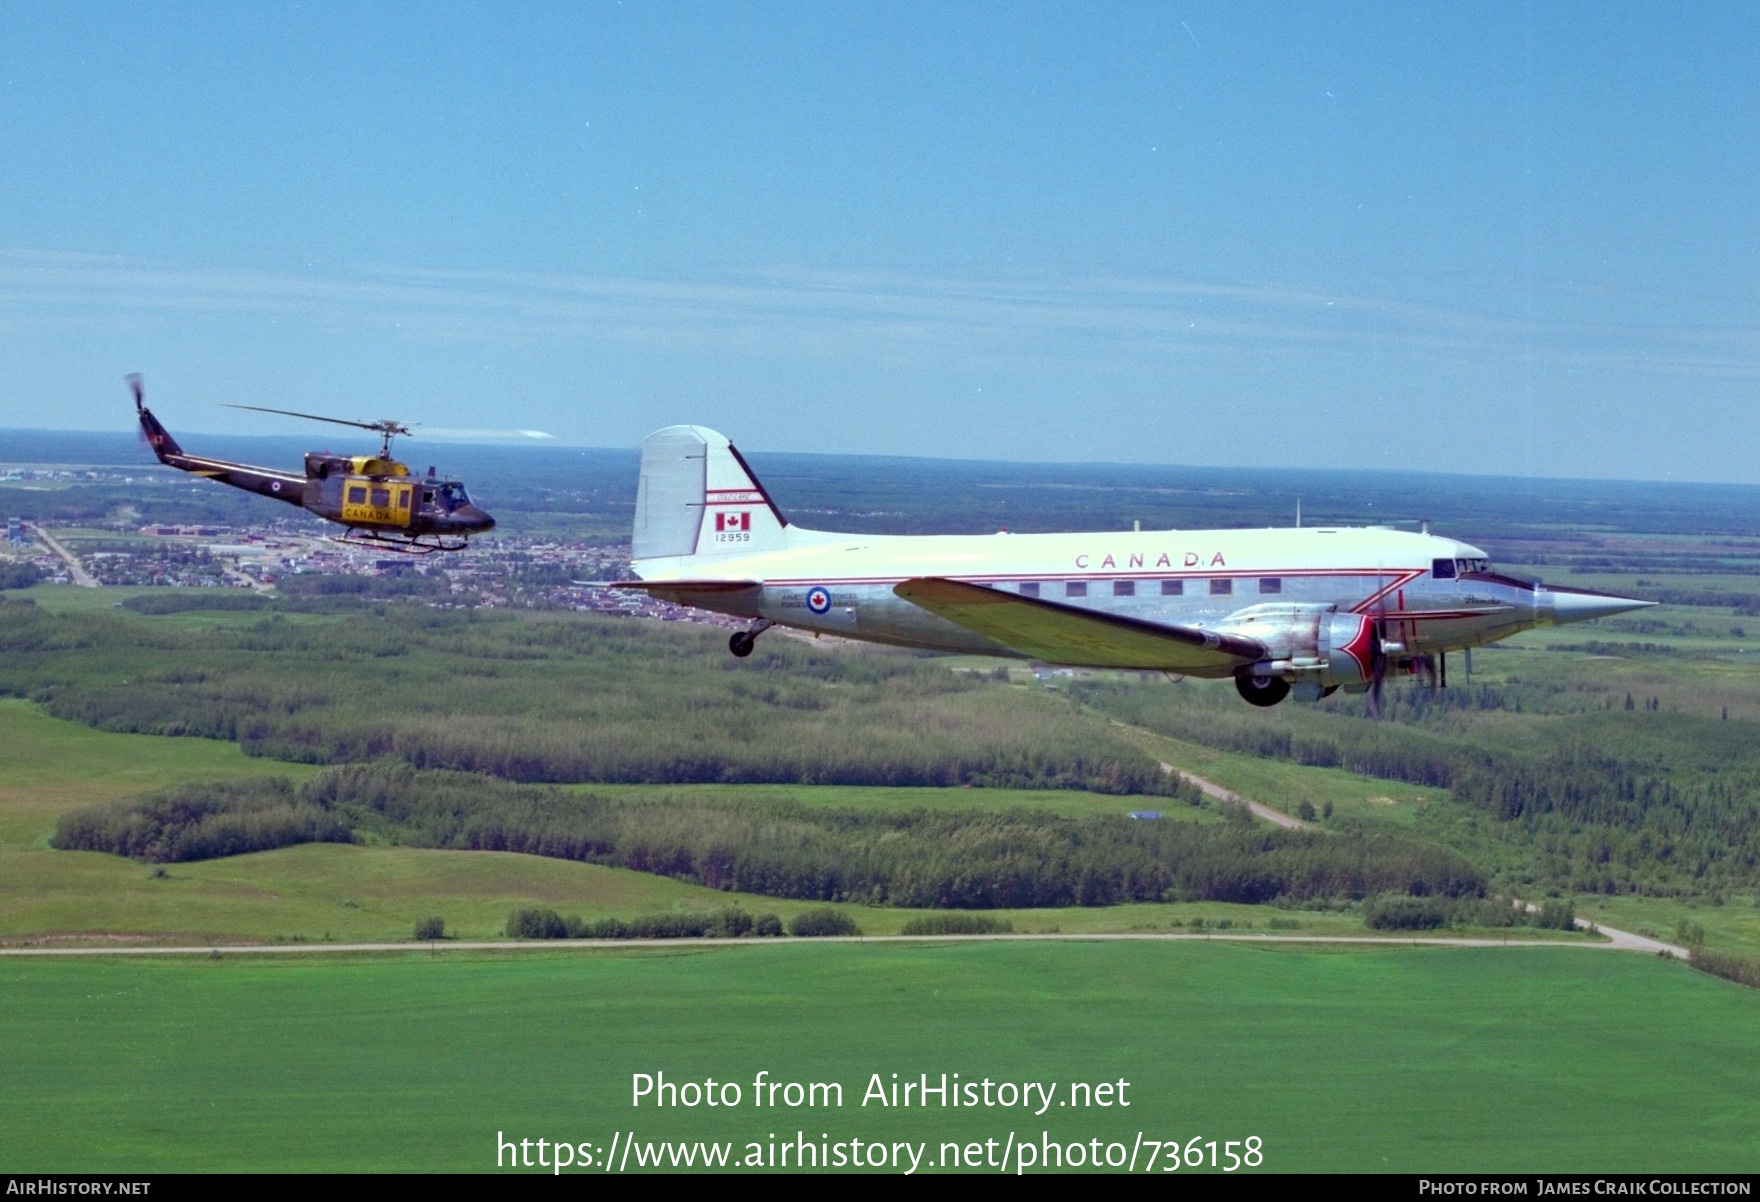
(1076, 588)
(1124, 588)
(357, 496)
(1271, 584)
(382, 498)
(403, 499)
(1030, 588)
(1221, 588)
(1442, 569)
(1173, 588)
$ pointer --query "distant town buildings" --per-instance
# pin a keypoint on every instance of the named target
(505, 571)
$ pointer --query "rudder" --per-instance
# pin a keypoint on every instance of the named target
(157, 436)
(697, 497)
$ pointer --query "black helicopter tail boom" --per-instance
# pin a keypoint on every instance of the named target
(282, 486)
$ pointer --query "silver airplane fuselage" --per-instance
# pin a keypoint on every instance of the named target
(1297, 611)
(1431, 594)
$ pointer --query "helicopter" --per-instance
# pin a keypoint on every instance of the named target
(374, 496)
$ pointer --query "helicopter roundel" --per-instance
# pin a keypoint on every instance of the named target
(819, 599)
(274, 486)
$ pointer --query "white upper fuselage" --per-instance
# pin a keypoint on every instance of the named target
(842, 583)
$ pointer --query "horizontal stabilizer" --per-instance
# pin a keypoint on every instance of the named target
(673, 586)
(705, 594)
(1065, 634)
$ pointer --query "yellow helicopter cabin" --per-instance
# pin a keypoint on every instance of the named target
(378, 492)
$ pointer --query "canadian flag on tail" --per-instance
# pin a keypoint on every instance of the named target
(688, 473)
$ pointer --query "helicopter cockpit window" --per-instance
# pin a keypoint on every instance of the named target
(452, 495)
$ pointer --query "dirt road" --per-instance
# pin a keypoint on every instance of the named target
(75, 570)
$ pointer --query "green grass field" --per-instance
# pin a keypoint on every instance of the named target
(329, 892)
(1389, 1059)
(1443, 1060)
(349, 893)
(1731, 927)
(49, 766)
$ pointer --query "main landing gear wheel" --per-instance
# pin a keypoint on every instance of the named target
(1262, 690)
(742, 643)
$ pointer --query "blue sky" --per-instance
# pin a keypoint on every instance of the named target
(1496, 238)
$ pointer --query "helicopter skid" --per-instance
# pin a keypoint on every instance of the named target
(404, 544)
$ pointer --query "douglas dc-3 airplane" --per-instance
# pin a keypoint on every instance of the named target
(1285, 612)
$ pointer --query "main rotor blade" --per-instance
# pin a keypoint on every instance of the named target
(520, 436)
(383, 427)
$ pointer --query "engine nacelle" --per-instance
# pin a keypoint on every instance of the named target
(1315, 648)
(1349, 650)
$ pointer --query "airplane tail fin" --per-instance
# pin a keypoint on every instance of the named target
(697, 497)
(156, 435)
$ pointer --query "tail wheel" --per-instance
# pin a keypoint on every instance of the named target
(1261, 690)
(741, 644)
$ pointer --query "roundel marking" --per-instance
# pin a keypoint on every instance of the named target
(819, 599)
(274, 486)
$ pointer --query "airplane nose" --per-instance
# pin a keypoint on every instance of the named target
(1563, 606)
(473, 519)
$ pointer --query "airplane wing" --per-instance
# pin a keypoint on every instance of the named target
(1064, 634)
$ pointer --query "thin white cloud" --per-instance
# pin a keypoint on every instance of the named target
(896, 317)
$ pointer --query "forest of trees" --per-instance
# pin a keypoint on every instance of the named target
(558, 698)
(968, 860)
(1608, 801)
(1583, 795)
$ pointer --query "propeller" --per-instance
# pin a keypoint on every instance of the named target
(1377, 670)
(136, 386)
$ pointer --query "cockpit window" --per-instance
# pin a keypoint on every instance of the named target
(1442, 569)
(1473, 565)
(452, 495)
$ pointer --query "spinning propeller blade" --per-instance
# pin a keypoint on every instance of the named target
(1378, 671)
